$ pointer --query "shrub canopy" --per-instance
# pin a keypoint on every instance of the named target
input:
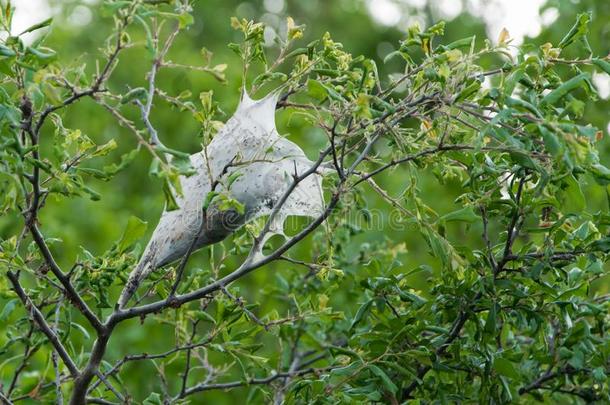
(459, 256)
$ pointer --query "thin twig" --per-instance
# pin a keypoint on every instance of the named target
(58, 393)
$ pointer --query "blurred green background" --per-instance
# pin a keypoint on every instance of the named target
(370, 28)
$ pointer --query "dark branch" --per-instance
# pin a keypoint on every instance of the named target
(38, 318)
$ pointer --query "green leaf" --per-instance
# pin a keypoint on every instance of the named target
(6, 51)
(602, 64)
(551, 142)
(266, 77)
(226, 204)
(386, 381)
(600, 245)
(512, 81)
(8, 309)
(362, 311)
(297, 52)
(524, 160)
(233, 177)
(153, 399)
(578, 30)
(522, 104)
(460, 43)
(599, 374)
(104, 149)
(316, 90)
(601, 174)
(184, 165)
(170, 200)
(43, 55)
(173, 152)
(134, 231)
(574, 197)
(81, 329)
(204, 316)
(506, 386)
(438, 245)
(506, 368)
(567, 87)
(139, 93)
(577, 360)
(38, 26)
(465, 214)
(209, 198)
(126, 159)
(391, 55)
(110, 8)
(348, 370)
(470, 90)
(320, 91)
(417, 301)
(185, 19)
(490, 323)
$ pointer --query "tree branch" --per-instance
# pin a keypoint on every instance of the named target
(252, 381)
(69, 289)
(454, 333)
(549, 375)
(38, 318)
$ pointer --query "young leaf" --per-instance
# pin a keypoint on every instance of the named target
(578, 30)
(135, 230)
(38, 26)
(170, 201)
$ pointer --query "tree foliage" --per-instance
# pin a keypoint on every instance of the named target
(508, 314)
